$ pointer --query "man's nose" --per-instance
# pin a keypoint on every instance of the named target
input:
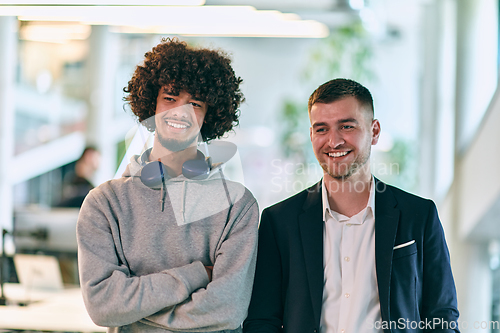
(336, 139)
(183, 111)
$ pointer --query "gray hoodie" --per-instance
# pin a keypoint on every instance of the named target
(142, 261)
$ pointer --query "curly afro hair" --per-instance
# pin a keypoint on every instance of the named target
(205, 74)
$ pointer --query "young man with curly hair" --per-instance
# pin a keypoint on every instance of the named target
(175, 253)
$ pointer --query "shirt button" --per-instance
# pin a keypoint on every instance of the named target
(347, 259)
(347, 295)
(348, 224)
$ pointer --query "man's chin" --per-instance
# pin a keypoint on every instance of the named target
(335, 171)
(176, 145)
(340, 176)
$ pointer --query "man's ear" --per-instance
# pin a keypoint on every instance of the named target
(375, 131)
(311, 133)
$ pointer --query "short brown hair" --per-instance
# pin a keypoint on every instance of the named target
(338, 89)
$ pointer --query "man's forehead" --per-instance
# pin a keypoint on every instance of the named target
(340, 111)
(337, 108)
(174, 90)
(170, 89)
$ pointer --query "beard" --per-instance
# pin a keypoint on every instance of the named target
(348, 170)
(175, 145)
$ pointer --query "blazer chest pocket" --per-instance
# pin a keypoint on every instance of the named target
(404, 251)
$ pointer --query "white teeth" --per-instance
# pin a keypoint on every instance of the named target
(340, 154)
(176, 125)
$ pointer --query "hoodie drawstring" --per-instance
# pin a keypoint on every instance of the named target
(225, 188)
(183, 202)
(163, 189)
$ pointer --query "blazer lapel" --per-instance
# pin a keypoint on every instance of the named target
(311, 231)
(386, 225)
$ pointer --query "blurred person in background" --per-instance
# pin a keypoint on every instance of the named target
(77, 184)
(75, 187)
(351, 254)
(171, 245)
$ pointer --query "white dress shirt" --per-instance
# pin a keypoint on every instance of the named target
(350, 294)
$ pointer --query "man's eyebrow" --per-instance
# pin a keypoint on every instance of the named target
(340, 121)
(168, 91)
(348, 120)
(319, 124)
(198, 99)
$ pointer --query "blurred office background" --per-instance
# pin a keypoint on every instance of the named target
(431, 65)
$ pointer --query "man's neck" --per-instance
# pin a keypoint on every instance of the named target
(172, 160)
(348, 196)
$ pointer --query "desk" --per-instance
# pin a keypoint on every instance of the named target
(52, 311)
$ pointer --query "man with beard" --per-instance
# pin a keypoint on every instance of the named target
(351, 254)
(171, 245)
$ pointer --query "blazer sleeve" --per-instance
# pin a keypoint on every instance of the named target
(439, 300)
(265, 314)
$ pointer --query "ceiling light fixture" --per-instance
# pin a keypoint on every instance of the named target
(106, 3)
(225, 21)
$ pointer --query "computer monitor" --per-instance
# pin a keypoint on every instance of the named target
(51, 230)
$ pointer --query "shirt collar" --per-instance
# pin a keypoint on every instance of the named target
(370, 207)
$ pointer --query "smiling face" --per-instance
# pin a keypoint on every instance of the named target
(178, 119)
(342, 133)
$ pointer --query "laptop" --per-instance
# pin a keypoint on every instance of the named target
(38, 272)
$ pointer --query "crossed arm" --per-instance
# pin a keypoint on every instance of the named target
(182, 298)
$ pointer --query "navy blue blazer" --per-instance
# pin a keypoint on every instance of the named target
(415, 282)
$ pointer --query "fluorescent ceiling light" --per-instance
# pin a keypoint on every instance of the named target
(228, 21)
(108, 2)
(54, 33)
